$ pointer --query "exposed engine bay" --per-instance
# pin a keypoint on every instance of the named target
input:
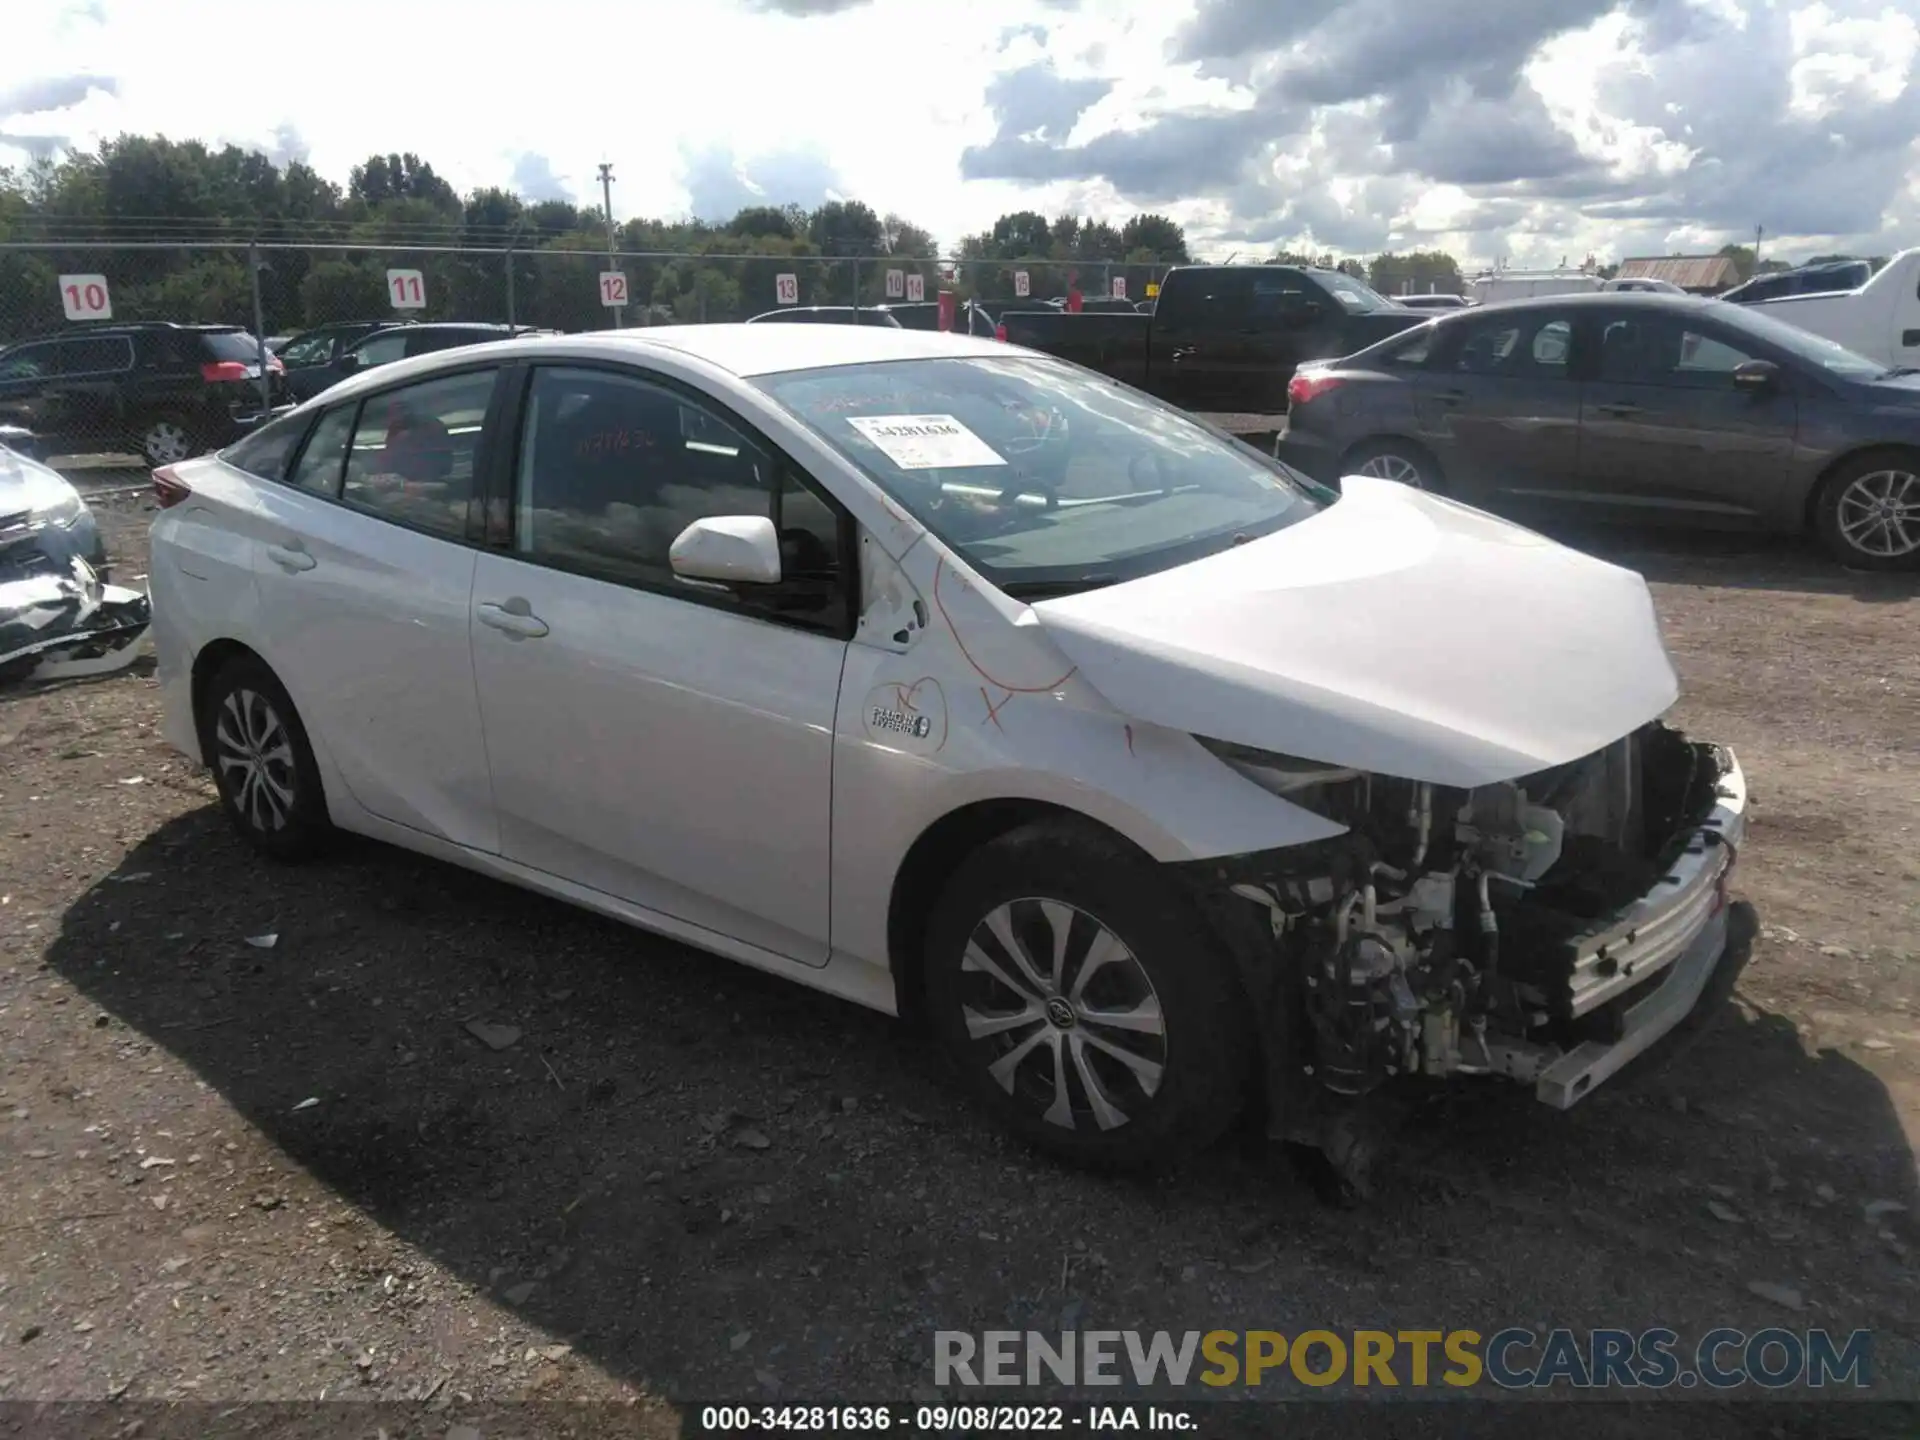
(1486, 931)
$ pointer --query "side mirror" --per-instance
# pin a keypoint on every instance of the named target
(728, 550)
(350, 360)
(1756, 377)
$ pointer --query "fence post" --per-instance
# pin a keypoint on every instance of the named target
(259, 323)
(856, 290)
(510, 315)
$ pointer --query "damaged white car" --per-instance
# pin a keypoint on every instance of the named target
(965, 683)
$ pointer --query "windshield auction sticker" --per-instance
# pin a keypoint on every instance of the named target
(926, 442)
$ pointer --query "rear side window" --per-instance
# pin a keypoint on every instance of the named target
(383, 349)
(232, 345)
(102, 355)
(415, 451)
(1521, 347)
(308, 350)
(324, 460)
(267, 450)
(1412, 350)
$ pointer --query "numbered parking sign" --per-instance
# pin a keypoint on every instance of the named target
(613, 288)
(1119, 287)
(916, 288)
(1022, 286)
(786, 289)
(84, 297)
(407, 289)
(896, 284)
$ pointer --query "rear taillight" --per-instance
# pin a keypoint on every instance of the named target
(1000, 333)
(1305, 388)
(168, 488)
(218, 370)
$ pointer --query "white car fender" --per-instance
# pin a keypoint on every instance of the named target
(980, 706)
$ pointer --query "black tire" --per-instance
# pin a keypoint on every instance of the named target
(1841, 506)
(286, 819)
(1387, 456)
(1204, 1047)
(167, 438)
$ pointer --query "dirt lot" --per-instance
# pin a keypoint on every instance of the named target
(232, 1171)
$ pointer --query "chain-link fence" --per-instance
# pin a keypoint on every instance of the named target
(156, 395)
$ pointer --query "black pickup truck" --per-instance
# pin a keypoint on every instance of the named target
(1221, 338)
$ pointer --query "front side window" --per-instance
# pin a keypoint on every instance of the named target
(415, 451)
(1657, 349)
(27, 362)
(308, 350)
(1044, 476)
(613, 468)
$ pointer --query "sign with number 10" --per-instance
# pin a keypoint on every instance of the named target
(407, 289)
(84, 297)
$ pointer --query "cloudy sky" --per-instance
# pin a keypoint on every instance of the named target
(1524, 129)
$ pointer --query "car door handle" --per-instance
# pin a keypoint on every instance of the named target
(1181, 353)
(291, 558)
(1451, 397)
(514, 619)
(1622, 410)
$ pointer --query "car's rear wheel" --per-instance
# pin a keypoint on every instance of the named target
(1868, 512)
(269, 784)
(1083, 1000)
(167, 440)
(1394, 460)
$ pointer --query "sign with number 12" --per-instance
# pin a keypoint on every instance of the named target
(613, 288)
(407, 289)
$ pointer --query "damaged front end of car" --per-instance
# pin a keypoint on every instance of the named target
(65, 623)
(1547, 929)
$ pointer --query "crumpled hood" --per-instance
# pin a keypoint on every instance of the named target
(28, 485)
(1396, 632)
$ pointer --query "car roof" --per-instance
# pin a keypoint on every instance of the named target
(746, 350)
(740, 349)
(1597, 299)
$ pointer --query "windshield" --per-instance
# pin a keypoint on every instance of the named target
(1357, 298)
(1805, 345)
(1043, 475)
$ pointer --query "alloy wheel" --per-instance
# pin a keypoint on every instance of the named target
(1392, 467)
(166, 442)
(1069, 1021)
(1879, 513)
(255, 758)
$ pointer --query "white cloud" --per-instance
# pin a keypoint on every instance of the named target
(1632, 125)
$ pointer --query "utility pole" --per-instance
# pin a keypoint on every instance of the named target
(1758, 232)
(606, 192)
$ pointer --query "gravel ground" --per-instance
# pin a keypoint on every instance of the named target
(234, 1170)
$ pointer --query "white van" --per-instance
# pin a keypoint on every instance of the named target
(1526, 284)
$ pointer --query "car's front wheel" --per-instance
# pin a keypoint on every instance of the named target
(269, 784)
(1083, 1000)
(1868, 512)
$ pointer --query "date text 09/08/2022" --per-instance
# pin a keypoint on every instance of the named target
(939, 1419)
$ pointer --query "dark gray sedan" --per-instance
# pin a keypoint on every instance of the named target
(1630, 407)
